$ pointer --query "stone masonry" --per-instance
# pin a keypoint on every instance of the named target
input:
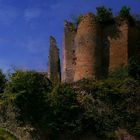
(119, 48)
(68, 60)
(54, 62)
(87, 42)
(91, 51)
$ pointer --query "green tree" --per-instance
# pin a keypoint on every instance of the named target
(125, 12)
(64, 111)
(31, 88)
(30, 81)
(104, 15)
(2, 81)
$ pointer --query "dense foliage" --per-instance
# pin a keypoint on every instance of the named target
(30, 81)
(2, 81)
(99, 107)
(31, 89)
(104, 15)
(134, 67)
(125, 12)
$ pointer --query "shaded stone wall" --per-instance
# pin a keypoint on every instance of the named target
(118, 48)
(125, 45)
(54, 62)
(88, 49)
(68, 58)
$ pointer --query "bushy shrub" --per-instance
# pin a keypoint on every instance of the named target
(119, 73)
(111, 104)
(104, 15)
(64, 111)
(100, 107)
(29, 81)
(134, 67)
(125, 12)
(31, 90)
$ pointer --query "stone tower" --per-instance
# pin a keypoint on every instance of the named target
(88, 49)
(54, 62)
(68, 54)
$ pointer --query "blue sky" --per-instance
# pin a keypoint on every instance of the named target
(25, 27)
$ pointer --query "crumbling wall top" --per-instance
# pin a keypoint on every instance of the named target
(88, 17)
(69, 26)
(52, 41)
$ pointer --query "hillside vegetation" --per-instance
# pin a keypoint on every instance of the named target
(107, 108)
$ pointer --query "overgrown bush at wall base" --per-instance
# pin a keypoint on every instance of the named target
(119, 73)
(134, 67)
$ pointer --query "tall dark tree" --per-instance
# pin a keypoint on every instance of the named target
(2, 81)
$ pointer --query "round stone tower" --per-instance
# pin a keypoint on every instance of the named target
(88, 49)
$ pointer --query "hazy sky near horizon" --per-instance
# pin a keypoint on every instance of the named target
(25, 27)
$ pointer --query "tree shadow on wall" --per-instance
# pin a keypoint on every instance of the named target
(109, 32)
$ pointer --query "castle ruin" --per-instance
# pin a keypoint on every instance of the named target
(90, 51)
(68, 53)
(54, 71)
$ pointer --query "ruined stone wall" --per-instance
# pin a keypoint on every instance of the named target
(68, 58)
(88, 45)
(92, 51)
(118, 47)
(54, 62)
